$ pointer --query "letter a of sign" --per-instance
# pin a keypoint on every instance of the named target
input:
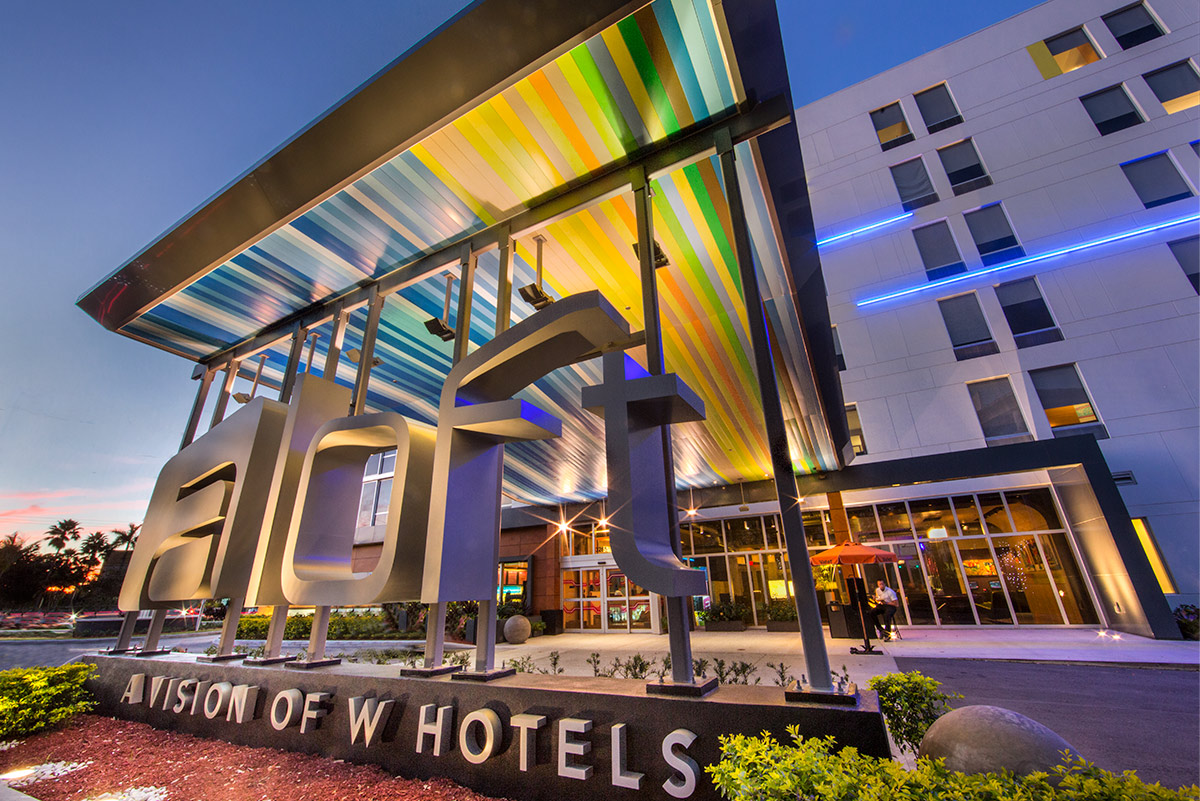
(204, 520)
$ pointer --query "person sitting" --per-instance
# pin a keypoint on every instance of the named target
(886, 602)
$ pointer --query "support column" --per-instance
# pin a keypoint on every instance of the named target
(337, 338)
(223, 395)
(125, 635)
(466, 294)
(812, 635)
(189, 432)
(504, 285)
(150, 645)
(435, 635)
(299, 336)
(678, 615)
(316, 640)
(485, 637)
(366, 358)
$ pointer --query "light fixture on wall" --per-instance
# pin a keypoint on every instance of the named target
(440, 327)
(354, 355)
(692, 509)
(534, 294)
(660, 258)
(245, 397)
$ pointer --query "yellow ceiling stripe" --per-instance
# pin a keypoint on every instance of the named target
(633, 82)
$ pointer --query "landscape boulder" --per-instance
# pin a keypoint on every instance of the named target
(985, 739)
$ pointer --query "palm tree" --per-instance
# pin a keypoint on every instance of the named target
(96, 547)
(63, 532)
(126, 538)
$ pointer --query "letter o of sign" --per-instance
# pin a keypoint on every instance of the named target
(286, 709)
(473, 750)
(217, 699)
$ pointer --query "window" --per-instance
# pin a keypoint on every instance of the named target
(891, 127)
(967, 327)
(913, 184)
(1111, 110)
(837, 350)
(963, 167)
(1027, 314)
(998, 412)
(1068, 407)
(938, 251)
(1156, 180)
(1132, 26)
(856, 435)
(1177, 87)
(937, 108)
(1187, 253)
(1165, 582)
(1072, 50)
(993, 235)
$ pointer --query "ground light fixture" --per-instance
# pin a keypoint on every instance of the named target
(440, 327)
(534, 294)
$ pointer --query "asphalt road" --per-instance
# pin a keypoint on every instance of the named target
(1121, 718)
(29, 653)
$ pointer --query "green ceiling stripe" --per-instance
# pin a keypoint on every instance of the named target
(701, 189)
(632, 36)
(665, 59)
(582, 57)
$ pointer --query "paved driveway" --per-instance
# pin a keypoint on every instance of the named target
(1121, 718)
(28, 653)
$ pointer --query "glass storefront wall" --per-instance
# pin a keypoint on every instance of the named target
(994, 558)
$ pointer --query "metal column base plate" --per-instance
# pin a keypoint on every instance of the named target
(487, 675)
(269, 660)
(156, 652)
(313, 663)
(697, 690)
(220, 657)
(803, 694)
(428, 673)
(119, 651)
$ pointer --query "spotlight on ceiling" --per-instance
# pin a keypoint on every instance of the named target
(660, 258)
(354, 355)
(440, 327)
(534, 294)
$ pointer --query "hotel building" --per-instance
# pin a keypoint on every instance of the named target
(971, 277)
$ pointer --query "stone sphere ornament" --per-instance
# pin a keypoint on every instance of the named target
(517, 629)
(985, 739)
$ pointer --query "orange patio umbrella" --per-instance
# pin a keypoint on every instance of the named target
(852, 553)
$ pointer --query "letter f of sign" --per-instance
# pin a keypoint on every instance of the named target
(478, 415)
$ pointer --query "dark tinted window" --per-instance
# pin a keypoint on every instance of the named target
(1111, 110)
(938, 252)
(937, 108)
(1132, 26)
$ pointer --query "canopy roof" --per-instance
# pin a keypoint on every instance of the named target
(440, 156)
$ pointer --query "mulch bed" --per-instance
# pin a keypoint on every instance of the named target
(127, 755)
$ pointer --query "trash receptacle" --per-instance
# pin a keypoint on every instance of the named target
(553, 618)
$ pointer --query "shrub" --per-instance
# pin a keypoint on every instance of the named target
(32, 699)
(342, 626)
(762, 769)
(720, 613)
(781, 611)
(910, 703)
(1188, 618)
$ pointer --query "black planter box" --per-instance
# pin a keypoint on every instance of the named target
(725, 625)
(783, 625)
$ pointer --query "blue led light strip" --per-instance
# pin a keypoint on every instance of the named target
(1028, 260)
(863, 230)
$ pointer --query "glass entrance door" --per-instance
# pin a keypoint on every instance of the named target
(603, 599)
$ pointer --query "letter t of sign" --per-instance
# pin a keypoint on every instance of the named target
(643, 522)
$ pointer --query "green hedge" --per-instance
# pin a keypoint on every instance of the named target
(32, 699)
(762, 769)
(350, 626)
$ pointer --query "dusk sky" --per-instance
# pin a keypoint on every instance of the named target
(121, 118)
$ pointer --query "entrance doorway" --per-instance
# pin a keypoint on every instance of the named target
(601, 598)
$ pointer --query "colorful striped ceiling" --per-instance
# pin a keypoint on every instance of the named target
(634, 84)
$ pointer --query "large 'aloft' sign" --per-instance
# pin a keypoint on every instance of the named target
(264, 505)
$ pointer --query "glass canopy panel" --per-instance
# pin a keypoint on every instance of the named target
(634, 84)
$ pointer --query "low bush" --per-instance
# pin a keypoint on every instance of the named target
(342, 626)
(1188, 618)
(781, 610)
(724, 612)
(763, 769)
(910, 703)
(32, 699)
